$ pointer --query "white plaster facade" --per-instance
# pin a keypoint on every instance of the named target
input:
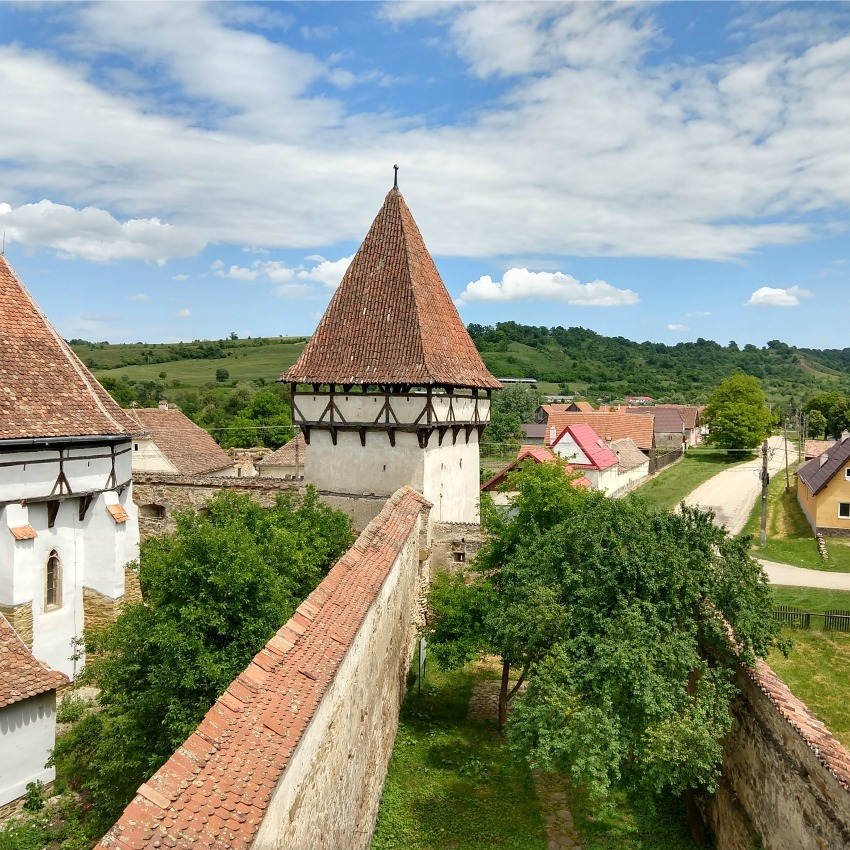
(92, 549)
(149, 457)
(606, 480)
(27, 733)
(445, 472)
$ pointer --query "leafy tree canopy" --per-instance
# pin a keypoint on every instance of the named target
(617, 617)
(214, 592)
(835, 410)
(817, 425)
(511, 406)
(737, 414)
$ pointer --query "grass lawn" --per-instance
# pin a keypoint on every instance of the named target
(672, 484)
(451, 781)
(453, 784)
(790, 539)
(814, 669)
(245, 363)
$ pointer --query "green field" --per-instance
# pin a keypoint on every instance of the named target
(243, 363)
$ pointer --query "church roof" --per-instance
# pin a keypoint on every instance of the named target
(45, 391)
(391, 320)
(189, 447)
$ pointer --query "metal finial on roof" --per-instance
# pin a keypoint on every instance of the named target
(395, 177)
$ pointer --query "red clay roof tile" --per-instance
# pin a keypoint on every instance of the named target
(23, 532)
(45, 391)
(189, 447)
(215, 789)
(21, 674)
(609, 426)
(391, 321)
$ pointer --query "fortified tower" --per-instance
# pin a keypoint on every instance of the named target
(390, 390)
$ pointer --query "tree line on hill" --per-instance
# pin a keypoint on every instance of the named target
(612, 367)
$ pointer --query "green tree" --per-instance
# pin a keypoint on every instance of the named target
(817, 425)
(737, 414)
(834, 407)
(214, 593)
(512, 406)
(619, 617)
(221, 375)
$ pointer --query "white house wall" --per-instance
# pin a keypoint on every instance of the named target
(148, 457)
(27, 732)
(568, 449)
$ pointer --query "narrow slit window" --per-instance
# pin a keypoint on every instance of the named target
(53, 581)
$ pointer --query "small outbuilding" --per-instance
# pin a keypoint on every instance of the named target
(285, 462)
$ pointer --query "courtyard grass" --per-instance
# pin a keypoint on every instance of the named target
(670, 486)
(790, 539)
(453, 785)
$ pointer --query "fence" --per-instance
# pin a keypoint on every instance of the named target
(661, 460)
(833, 620)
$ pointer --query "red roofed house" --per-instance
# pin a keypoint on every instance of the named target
(173, 443)
(68, 525)
(27, 716)
(390, 390)
(584, 449)
(535, 454)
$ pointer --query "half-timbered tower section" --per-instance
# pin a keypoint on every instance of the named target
(390, 390)
(68, 525)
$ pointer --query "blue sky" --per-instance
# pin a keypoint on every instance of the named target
(657, 171)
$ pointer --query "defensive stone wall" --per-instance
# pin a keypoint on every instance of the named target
(159, 495)
(785, 778)
(455, 544)
(294, 753)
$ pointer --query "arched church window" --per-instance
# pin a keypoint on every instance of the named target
(53, 581)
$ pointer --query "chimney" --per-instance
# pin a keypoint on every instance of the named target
(163, 404)
(844, 435)
(552, 434)
(824, 458)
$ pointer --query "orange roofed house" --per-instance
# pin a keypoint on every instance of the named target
(390, 390)
(530, 454)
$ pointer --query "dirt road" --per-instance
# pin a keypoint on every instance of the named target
(732, 493)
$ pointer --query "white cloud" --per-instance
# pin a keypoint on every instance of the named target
(294, 290)
(138, 297)
(328, 272)
(588, 150)
(185, 313)
(93, 234)
(234, 272)
(180, 277)
(521, 285)
(768, 296)
(698, 314)
(674, 327)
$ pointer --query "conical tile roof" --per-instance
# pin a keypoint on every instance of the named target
(392, 321)
(45, 391)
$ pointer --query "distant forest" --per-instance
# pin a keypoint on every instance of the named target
(580, 360)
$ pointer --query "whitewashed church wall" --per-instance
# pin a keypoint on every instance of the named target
(376, 468)
(27, 731)
(452, 479)
(406, 408)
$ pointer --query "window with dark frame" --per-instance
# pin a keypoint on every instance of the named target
(53, 581)
(844, 510)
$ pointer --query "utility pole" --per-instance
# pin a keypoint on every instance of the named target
(787, 473)
(765, 480)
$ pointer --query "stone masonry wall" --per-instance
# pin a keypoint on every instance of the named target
(177, 492)
(20, 619)
(293, 755)
(785, 778)
(99, 610)
(454, 544)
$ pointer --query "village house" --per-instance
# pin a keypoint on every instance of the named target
(690, 414)
(609, 426)
(668, 424)
(533, 433)
(823, 489)
(285, 462)
(632, 463)
(586, 451)
(532, 454)
(172, 443)
(815, 448)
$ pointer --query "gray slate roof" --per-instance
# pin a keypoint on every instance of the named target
(817, 472)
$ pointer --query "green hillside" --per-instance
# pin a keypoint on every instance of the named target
(569, 359)
(581, 360)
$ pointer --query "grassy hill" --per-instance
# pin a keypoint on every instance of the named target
(574, 359)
